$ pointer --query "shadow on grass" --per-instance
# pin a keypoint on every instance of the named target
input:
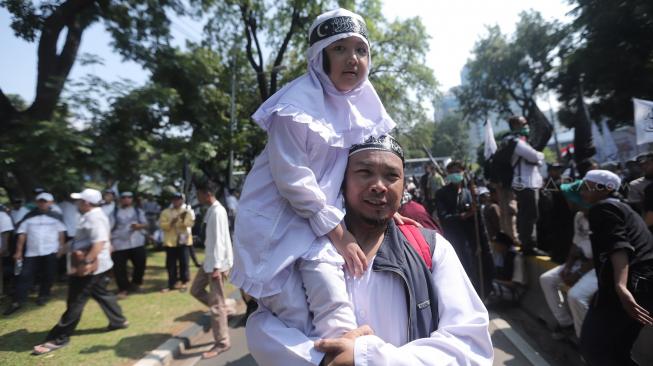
(134, 347)
(194, 316)
(21, 340)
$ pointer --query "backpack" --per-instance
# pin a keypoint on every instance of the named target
(115, 216)
(498, 167)
(416, 240)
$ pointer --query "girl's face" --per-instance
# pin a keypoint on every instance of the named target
(349, 61)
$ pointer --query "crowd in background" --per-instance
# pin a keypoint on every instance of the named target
(494, 224)
(36, 233)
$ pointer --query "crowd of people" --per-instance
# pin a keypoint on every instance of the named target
(593, 234)
(350, 261)
(91, 239)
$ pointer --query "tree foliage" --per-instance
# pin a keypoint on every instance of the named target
(137, 27)
(183, 113)
(451, 137)
(613, 57)
(508, 73)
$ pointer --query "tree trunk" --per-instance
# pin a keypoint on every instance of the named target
(53, 68)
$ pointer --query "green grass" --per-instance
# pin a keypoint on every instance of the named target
(153, 316)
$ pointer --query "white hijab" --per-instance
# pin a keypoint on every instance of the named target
(340, 118)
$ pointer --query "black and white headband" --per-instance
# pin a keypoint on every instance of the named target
(383, 142)
(337, 25)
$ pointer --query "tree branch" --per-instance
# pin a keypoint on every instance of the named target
(258, 68)
(284, 45)
(53, 69)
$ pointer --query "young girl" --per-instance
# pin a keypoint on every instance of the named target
(291, 210)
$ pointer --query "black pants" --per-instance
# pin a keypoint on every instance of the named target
(138, 257)
(176, 255)
(80, 289)
(45, 267)
(608, 333)
(527, 199)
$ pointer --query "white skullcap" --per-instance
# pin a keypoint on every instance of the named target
(604, 177)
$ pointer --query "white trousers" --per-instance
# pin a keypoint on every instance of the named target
(578, 297)
(314, 300)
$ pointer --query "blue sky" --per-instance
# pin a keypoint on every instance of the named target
(454, 27)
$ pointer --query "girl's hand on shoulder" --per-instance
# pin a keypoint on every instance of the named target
(403, 220)
(355, 260)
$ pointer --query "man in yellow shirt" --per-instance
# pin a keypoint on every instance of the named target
(176, 223)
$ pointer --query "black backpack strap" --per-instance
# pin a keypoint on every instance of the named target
(138, 214)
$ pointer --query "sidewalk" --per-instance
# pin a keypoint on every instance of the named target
(510, 346)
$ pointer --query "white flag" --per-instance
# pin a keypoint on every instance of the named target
(610, 147)
(598, 143)
(490, 143)
(643, 120)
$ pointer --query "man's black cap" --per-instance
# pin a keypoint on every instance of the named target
(644, 157)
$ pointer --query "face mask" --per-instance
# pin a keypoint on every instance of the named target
(524, 131)
(455, 178)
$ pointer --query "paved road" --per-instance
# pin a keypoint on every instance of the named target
(518, 340)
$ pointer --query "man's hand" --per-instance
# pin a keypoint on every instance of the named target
(631, 306)
(403, 220)
(217, 274)
(340, 351)
(18, 256)
(570, 278)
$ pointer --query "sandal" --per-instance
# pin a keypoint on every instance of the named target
(214, 352)
(46, 347)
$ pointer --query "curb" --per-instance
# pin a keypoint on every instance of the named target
(168, 350)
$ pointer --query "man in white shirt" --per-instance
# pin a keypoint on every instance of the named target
(90, 276)
(231, 200)
(41, 236)
(6, 227)
(108, 202)
(18, 210)
(128, 242)
(449, 327)
(217, 262)
(526, 183)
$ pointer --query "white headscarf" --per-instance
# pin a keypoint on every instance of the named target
(340, 118)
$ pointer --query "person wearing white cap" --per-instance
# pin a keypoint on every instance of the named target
(128, 242)
(41, 236)
(90, 276)
(289, 218)
(622, 247)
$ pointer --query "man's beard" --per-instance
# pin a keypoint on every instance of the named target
(376, 222)
(371, 221)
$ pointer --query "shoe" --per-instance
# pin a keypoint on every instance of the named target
(121, 295)
(136, 289)
(532, 252)
(47, 347)
(124, 325)
(41, 301)
(215, 351)
(561, 333)
(13, 307)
